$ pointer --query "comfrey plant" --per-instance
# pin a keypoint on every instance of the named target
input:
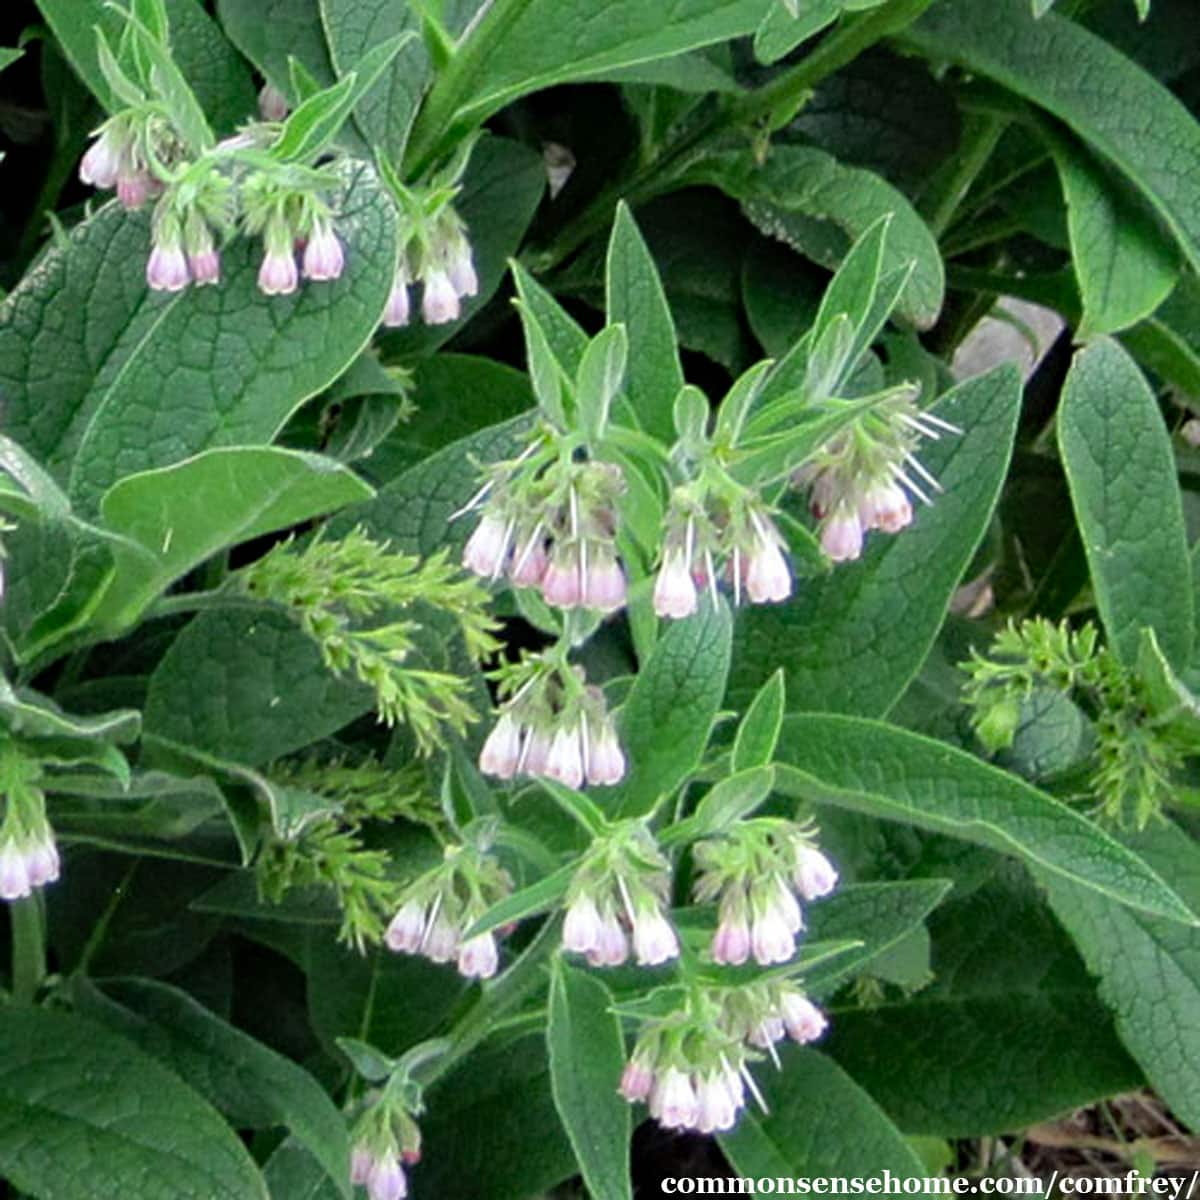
(485, 567)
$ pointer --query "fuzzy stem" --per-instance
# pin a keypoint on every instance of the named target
(28, 949)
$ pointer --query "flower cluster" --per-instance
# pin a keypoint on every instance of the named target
(556, 726)
(858, 479)
(28, 851)
(130, 153)
(717, 529)
(386, 1140)
(553, 525)
(765, 1013)
(689, 1072)
(437, 254)
(755, 870)
(441, 906)
(619, 894)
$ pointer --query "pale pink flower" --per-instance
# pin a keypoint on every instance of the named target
(637, 1080)
(441, 940)
(530, 562)
(886, 507)
(205, 267)
(272, 104)
(439, 300)
(535, 758)
(673, 1100)
(675, 592)
(462, 269)
(487, 547)
(501, 753)
(768, 579)
(101, 165)
(361, 1163)
(604, 587)
(15, 883)
(785, 904)
(731, 942)
(814, 875)
(398, 312)
(654, 941)
(770, 938)
(167, 268)
(612, 948)
(804, 1021)
(842, 536)
(135, 188)
(479, 957)
(582, 926)
(387, 1180)
(406, 930)
(566, 757)
(278, 275)
(771, 1030)
(715, 1108)
(324, 258)
(561, 584)
(43, 862)
(606, 760)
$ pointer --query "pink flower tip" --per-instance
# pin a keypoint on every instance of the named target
(439, 301)
(324, 258)
(842, 536)
(479, 957)
(167, 269)
(675, 594)
(278, 275)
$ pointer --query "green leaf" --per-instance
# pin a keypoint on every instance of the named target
(782, 31)
(726, 803)
(845, 1134)
(413, 511)
(211, 66)
(255, 1087)
(386, 111)
(105, 379)
(1149, 969)
(272, 32)
(530, 901)
(601, 374)
(517, 49)
(186, 513)
(34, 716)
(1121, 470)
(880, 916)
(758, 734)
(873, 768)
(317, 121)
(587, 1055)
(797, 184)
(249, 686)
(1125, 265)
(1132, 120)
(293, 1174)
(636, 298)
(1009, 1033)
(851, 641)
(666, 721)
(85, 1114)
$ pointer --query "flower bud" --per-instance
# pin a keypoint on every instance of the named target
(272, 104)
(637, 1080)
(362, 1162)
(815, 875)
(803, 1020)
(101, 165)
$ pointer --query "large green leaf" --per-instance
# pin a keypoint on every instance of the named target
(354, 27)
(1121, 470)
(852, 640)
(819, 1123)
(249, 686)
(1115, 106)
(413, 511)
(636, 300)
(799, 185)
(104, 378)
(535, 44)
(666, 721)
(270, 32)
(186, 513)
(884, 771)
(1125, 264)
(1149, 969)
(86, 1115)
(209, 63)
(1010, 1032)
(255, 1087)
(587, 1055)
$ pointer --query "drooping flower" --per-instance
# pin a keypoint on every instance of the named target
(167, 267)
(398, 312)
(675, 593)
(439, 300)
(102, 163)
(501, 753)
(272, 103)
(487, 548)
(478, 957)
(324, 258)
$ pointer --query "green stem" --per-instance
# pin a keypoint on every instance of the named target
(774, 103)
(439, 119)
(28, 948)
(973, 155)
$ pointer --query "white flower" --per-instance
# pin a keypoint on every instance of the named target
(803, 1020)
(487, 547)
(654, 940)
(814, 875)
(324, 258)
(387, 1180)
(637, 1080)
(439, 301)
(406, 929)
(842, 536)
(606, 760)
(673, 1100)
(716, 1109)
(15, 883)
(770, 937)
(566, 757)
(582, 926)
(612, 947)
(675, 594)
(479, 957)
(502, 750)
